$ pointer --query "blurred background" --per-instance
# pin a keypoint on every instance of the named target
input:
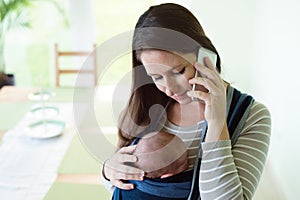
(258, 42)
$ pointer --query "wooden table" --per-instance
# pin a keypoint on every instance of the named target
(15, 94)
(79, 173)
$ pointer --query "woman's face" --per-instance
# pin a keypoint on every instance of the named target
(170, 72)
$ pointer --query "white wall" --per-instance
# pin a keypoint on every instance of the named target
(259, 43)
(230, 26)
(275, 75)
(82, 24)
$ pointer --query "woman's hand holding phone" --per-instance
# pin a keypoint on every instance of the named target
(213, 94)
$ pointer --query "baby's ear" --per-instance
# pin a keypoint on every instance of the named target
(167, 175)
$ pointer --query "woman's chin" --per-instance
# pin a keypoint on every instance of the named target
(184, 101)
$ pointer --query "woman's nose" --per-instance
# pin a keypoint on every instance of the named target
(171, 86)
(169, 92)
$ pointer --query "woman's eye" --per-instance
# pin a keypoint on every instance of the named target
(181, 71)
(156, 78)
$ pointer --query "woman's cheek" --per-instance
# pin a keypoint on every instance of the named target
(161, 88)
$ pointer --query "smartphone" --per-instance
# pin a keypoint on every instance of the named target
(202, 53)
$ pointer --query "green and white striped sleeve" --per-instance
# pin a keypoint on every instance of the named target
(228, 172)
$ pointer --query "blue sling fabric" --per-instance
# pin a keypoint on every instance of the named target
(180, 185)
(185, 185)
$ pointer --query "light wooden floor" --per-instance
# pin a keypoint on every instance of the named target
(91, 179)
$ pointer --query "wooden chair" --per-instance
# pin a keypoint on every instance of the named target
(87, 54)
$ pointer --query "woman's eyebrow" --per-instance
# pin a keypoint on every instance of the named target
(149, 74)
(178, 66)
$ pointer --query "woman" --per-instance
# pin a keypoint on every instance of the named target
(227, 133)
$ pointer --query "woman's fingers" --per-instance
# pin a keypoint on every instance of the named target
(121, 158)
(215, 95)
(209, 64)
(204, 96)
(124, 169)
(128, 149)
(131, 171)
(208, 72)
(128, 176)
(121, 185)
(207, 83)
(121, 165)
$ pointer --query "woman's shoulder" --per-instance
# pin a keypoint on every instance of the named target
(259, 109)
(259, 119)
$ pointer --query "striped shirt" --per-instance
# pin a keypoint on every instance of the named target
(233, 172)
(190, 135)
(226, 171)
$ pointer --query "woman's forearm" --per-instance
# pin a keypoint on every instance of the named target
(233, 172)
(215, 134)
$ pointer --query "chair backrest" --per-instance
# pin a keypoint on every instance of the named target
(73, 54)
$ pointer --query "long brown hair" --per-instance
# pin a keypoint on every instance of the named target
(168, 27)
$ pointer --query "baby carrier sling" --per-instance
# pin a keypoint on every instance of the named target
(185, 186)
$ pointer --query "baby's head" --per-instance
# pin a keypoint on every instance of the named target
(161, 154)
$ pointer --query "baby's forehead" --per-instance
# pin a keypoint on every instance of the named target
(157, 140)
(158, 135)
(159, 150)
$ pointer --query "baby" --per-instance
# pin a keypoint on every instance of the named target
(161, 154)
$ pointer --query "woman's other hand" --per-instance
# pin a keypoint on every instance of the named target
(116, 170)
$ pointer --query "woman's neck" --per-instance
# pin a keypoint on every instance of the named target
(186, 115)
